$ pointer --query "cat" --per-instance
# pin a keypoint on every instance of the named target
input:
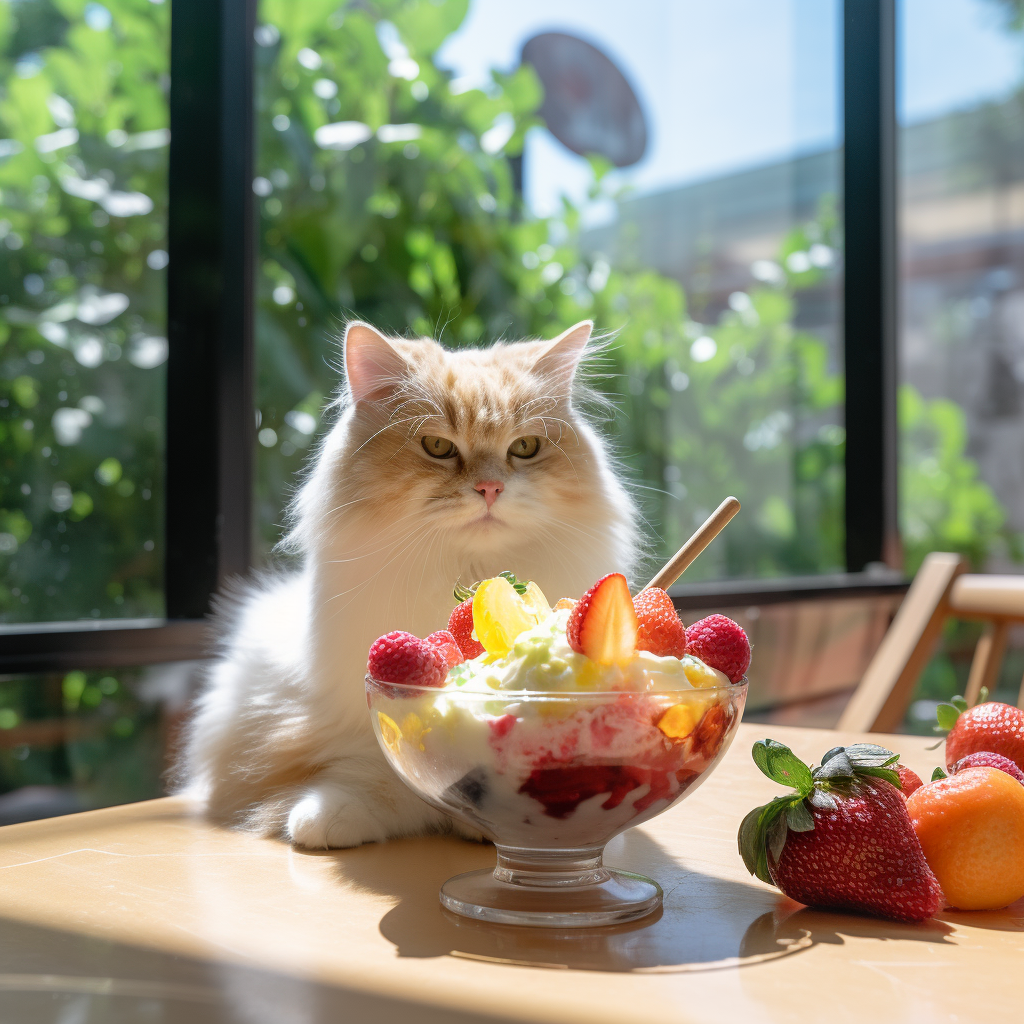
(441, 466)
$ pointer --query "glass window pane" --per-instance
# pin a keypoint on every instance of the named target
(72, 741)
(83, 196)
(700, 225)
(962, 284)
(961, 109)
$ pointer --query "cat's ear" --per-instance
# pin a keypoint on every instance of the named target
(559, 359)
(373, 366)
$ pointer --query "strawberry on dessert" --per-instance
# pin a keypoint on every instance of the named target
(460, 625)
(720, 643)
(843, 839)
(400, 657)
(603, 625)
(992, 726)
(661, 630)
(448, 646)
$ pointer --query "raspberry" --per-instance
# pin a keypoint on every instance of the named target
(661, 631)
(403, 658)
(720, 643)
(446, 644)
(986, 759)
(460, 625)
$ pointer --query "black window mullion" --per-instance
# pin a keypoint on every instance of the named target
(210, 418)
(871, 282)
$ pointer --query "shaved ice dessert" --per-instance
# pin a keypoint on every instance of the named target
(553, 729)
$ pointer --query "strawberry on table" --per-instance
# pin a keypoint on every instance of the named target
(909, 779)
(400, 657)
(661, 630)
(720, 643)
(843, 839)
(992, 726)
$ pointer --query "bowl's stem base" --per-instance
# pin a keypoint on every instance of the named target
(551, 888)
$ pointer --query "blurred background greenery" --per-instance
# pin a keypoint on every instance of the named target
(388, 192)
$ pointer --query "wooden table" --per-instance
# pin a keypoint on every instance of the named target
(145, 912)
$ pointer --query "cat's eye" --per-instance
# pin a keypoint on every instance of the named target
(524, 447)
(439, 447)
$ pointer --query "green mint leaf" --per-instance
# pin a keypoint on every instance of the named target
(798, 817)
(938, 774)
(870, 755)
(781, 765)
(959, 703)
(520, 587)
(946, 715)
(464, 593)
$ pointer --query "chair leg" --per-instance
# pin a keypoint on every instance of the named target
(988, 658)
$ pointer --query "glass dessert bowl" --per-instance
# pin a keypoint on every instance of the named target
(550, 778)
(550, 732)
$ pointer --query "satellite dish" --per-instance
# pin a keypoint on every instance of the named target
(588, 104)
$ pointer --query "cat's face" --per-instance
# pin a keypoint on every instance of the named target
(480, 447)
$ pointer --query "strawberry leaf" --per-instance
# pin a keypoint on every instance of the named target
(882, 773)
(870, 755)
(781, 765)
(777, 836)
(798, 818)
(959, 703)
(764, 830)
(823, 800)
(937, 774)
(838, 766)
(464, 593)
(946, 715)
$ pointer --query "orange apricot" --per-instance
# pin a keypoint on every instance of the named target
(971, 828)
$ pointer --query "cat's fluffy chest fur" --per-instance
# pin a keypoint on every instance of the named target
(281, 741)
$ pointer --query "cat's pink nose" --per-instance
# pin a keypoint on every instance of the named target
(490, 489)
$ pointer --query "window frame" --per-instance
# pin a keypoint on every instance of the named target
(210, 433)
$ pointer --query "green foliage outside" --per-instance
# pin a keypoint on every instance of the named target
(83, 190)
(382, 194)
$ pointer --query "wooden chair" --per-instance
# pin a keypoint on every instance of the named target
(941, 589)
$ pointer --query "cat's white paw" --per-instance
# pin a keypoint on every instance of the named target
(332, 818)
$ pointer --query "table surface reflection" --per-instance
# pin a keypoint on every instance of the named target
(146, 912)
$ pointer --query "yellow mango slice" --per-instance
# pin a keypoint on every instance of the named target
(700, 675)
(536, 602)
(389, 731)
(500, 614)
(681, 719)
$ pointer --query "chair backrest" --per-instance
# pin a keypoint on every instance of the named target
(941, 589)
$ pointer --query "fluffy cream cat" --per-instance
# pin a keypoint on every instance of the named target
(442, 466)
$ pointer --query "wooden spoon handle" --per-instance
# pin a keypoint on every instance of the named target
(713, 525)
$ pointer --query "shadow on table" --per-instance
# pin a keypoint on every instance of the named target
(1009, 919)
(48, 975)
(707, 923)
